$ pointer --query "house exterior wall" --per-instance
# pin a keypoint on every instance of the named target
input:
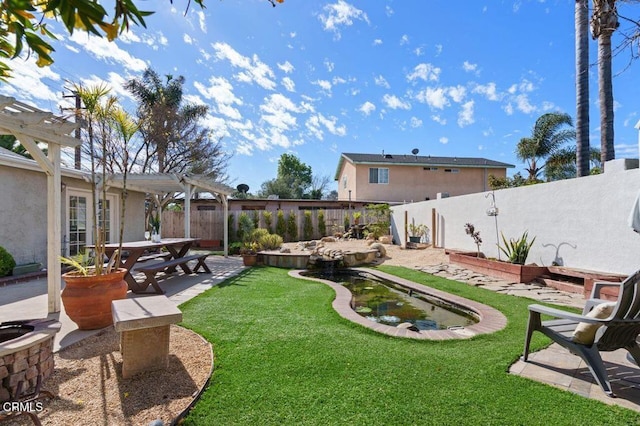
(23, 213)
(579, 223)
(413, 183)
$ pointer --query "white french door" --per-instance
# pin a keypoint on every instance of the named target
(80, 220)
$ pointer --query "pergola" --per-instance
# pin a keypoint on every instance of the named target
(171, 183)
(31, 126)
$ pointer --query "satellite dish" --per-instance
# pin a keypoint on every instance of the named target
(243, 187)
(415, 151)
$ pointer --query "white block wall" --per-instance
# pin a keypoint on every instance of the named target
(579, 223)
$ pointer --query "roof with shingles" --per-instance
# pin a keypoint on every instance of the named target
(418, 160)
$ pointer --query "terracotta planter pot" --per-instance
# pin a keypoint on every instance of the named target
(507, 271)
(87, 299)
(249, 259)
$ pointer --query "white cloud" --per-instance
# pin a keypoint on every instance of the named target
(253, 70)
(434, 97)
(325, 85)
(187, 38)
(340, 14)
(419, 51)
(316, 123)
(488, 90)
(523, 104)
(404, 40)
(457, 93)
(393, 102)
(381, 81)
(426, 72)
(377, 42)
(444, 140)
(330, 65)
(286, 67)
(288, 84)
(388, 10)
(439, 119)
(367, 108)
(465, 116)
(469, 67)
(206, 55)
(415, 122)
(508, 108)
(438, 49)
(202, 21)
(107, 51)
(292, 34)
(28, 82)
(220, 91)
(277, 110)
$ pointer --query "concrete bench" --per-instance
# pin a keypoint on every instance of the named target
(144, 325)
(169, 266)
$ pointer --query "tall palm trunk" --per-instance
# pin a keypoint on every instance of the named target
(582, 87)
(603, 23)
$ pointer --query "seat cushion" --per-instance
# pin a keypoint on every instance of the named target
(585, 333)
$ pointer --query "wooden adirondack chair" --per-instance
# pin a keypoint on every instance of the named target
(618, 330)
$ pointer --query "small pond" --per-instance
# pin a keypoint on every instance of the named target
(389, 303)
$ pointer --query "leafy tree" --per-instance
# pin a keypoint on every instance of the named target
(307, 226)
(548, 136)
(10, 142)
(292, 226)
(268, 219)
(245, 226)
(509, 182)
(255, 217)
(281, 225)
(25, 22)
(293, 180)
(322, 225)
(563, 164)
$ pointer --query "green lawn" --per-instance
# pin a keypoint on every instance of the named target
(283, 356)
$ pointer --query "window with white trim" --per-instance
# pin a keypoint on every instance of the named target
(378, 175)
(452, 170)
(344, 182)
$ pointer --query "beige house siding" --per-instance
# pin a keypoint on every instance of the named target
(413, 183)
(23, 212)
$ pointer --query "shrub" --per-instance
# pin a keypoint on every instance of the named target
(281, 226)
(471, 231)
(234, 248)
(517, 250)
(245, 226)
(255, 216)
(379, 218)
(7, 263)
(255, 236)
(231, 227)
(307, 226)
(322, 226)
(270, 242)
(268, 220)
(346, 223)
(292, 226)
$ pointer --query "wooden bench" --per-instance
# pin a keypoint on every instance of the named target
(144, 325)
(154, 256)
(169, 266)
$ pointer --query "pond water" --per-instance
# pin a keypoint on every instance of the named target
(390, 303)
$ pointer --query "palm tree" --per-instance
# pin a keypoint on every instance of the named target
(546, 140)
(162, 116)
(604, 22)
(582, 87)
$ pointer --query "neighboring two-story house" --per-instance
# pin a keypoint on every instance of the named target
(406, 178)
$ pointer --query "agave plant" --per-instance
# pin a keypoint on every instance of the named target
(517, 250)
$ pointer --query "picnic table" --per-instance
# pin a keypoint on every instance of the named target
(177, 249)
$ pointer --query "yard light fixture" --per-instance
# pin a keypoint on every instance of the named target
(493, 211)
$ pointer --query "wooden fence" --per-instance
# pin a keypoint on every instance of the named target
(209, 225)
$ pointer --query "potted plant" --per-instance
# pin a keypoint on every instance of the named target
(92, 285)
(249, 253)
(417, 232)
(379, 218)
(514, 270)
(154, 224)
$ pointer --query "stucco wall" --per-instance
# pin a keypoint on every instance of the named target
(413, 183)
(23, 213)
(581, 223)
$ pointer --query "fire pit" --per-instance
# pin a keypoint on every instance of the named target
(26, 356)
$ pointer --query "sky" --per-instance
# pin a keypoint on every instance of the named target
(319, 78)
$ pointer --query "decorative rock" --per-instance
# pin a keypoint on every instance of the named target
(285, 250)
(329, 239)
(385, 239)
(408, 326)
(380, 248)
